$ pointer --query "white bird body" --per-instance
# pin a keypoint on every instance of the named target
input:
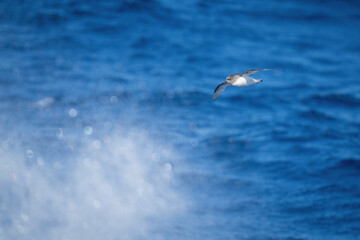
(238, 80)
(244, 81)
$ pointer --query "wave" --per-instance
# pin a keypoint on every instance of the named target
(314, 114)
(334, 99)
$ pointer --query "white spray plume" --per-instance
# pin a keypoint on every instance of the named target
(118, 187)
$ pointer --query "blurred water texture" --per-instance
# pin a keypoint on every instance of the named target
(108, 130)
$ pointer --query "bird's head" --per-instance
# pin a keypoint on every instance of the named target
(229, 79)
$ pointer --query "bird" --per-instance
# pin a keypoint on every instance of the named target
(238, 80)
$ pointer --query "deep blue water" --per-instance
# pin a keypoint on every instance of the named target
(108, 129)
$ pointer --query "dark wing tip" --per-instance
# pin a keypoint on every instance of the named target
(219, 89)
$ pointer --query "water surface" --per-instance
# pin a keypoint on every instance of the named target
(108, 129)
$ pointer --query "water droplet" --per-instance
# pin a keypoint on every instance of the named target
(24, 217)
(29, 153)
(88, 130)
(57, 165)
(96, 144)
(194, 142)
(114, 99)
(155, 157)
(40, 161)
(73, 113)
(166, 152)
(60, 134)
(45, 102)
(168, 167)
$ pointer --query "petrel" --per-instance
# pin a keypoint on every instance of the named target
(238, 80)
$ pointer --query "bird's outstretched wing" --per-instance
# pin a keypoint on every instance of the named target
(252, 71)
(219, 89)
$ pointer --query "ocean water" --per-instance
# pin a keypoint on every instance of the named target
(108, 129)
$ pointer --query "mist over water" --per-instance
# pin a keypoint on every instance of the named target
(108, 129)
(119, 187)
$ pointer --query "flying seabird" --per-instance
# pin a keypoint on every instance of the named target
(238, 80)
